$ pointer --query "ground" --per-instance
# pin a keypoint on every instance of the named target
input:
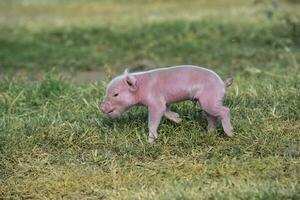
(54, 142)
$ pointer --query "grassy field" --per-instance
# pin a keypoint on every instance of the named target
(55, 144)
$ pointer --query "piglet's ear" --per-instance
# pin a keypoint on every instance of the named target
(126, 72)
(130, 81)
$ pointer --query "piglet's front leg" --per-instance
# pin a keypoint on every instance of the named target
(173, 116)
(155, 115)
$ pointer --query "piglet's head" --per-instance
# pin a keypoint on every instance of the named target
(121, 93)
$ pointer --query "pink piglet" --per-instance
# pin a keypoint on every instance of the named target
(157, 89)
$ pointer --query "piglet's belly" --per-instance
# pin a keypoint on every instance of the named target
(177, 97)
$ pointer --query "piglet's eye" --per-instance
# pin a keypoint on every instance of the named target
(115, 95)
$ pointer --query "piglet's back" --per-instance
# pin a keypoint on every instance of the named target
(179, 83)
(185, 75)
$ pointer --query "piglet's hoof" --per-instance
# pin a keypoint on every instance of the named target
(151, 140)
(173, 116)
(230, 134)
(211, 130)
(177, 120)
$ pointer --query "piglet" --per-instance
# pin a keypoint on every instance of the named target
(157, 89)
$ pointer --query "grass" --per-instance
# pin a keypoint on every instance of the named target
(54, 143)
(265, 31)
(161, 43)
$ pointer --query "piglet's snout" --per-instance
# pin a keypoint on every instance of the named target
(106, 107)
(103, 107)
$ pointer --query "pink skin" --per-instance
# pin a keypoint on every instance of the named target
(158, 89)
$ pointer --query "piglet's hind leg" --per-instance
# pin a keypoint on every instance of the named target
(224, 113)
(212, 122)
(212, 104)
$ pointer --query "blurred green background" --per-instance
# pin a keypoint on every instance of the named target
(94, 35)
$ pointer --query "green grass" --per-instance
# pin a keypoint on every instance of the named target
(54, 143)
(222, 44)
(212, 40)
